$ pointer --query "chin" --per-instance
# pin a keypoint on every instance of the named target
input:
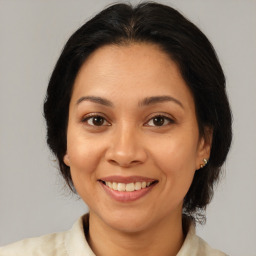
(128, 221)
(129, 225)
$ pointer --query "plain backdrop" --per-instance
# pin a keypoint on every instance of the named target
(33, 200)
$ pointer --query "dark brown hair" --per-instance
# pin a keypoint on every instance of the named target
(186, 45)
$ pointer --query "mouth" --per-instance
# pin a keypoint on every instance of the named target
(126, 189)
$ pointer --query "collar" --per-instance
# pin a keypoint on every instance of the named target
(76, 243)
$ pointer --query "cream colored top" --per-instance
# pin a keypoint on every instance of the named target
(73, 243)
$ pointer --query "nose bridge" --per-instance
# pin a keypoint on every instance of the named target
(126, 146)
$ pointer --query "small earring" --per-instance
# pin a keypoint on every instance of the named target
(204, 164)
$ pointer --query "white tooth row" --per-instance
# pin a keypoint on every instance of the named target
(127, 187)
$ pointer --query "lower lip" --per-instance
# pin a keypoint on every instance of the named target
(122, 196)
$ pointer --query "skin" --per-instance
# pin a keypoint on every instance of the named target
(130, 143)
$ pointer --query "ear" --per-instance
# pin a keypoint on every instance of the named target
(204, 147)
(66, 159)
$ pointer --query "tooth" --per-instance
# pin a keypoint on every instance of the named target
(137, 185)
(129, 187)
(114, 185)
(121, 187)
(109, 184)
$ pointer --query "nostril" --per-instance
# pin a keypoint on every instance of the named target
(124, 163)
(135, 162)
(126, 154)
(113, 162)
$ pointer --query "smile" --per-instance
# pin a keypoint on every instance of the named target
(130, 187)
(126, 189)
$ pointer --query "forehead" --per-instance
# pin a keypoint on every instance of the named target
(136, 70)
(128, 59)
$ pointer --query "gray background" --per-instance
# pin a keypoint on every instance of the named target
(32, 199)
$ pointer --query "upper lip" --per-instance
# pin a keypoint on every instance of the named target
(129, 179)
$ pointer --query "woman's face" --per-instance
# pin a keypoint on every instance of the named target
(132, 124)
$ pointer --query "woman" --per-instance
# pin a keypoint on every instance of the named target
(138, 118)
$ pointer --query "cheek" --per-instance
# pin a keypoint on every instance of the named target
(82, 150)
(176, 155)
(84, 155)
(177, 162)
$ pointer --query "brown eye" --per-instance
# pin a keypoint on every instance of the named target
(96, 121)
(159, 121)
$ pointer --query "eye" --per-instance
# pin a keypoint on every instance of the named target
(159, 120)
(95, 120)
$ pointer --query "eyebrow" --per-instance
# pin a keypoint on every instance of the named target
(159, 99)
(96, 99)
(145, 102)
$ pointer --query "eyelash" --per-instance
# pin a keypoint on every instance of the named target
(167, 119)
(94, 115)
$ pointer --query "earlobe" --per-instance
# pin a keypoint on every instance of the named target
(66, 159)
(204, 149)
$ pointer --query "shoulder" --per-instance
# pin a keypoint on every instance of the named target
(50, 245)
(205, 249)
(196, 246)
(72, 242)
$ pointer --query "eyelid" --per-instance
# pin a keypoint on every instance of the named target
(170, 118)
(96, 114)
(167, 116)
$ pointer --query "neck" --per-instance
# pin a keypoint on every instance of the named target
(164, 238)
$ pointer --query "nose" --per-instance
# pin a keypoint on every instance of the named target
(126, 148)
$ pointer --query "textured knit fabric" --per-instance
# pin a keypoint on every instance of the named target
(73, 243)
